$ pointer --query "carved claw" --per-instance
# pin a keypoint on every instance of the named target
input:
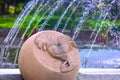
(66, 67)
(40, 44)
(44, 47)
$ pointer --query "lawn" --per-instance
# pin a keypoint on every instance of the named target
(7, 21)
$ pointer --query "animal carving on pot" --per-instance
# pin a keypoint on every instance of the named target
(51, 53)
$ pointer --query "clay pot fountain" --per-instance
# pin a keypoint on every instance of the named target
(49, 55)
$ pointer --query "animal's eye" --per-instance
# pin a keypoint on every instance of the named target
(58, 44)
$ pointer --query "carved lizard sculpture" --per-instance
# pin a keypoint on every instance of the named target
(59, 50)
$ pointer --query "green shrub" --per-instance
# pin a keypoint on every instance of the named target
(11, 9)
(19, 7)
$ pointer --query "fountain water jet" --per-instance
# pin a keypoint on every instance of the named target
(46, 10)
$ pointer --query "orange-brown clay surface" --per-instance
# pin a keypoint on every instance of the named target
(49, 55)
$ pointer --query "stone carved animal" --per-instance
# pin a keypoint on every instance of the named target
(58, 48)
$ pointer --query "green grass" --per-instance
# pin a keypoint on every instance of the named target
(7, 21)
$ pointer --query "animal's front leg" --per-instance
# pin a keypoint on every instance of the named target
(66, 66)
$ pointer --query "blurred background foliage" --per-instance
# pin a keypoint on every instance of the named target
(10, 9)
(11, 6)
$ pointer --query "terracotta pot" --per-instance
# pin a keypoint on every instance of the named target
(49, 55)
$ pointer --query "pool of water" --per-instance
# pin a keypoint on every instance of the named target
(100, 58)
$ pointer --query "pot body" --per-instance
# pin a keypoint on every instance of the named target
(36, 63)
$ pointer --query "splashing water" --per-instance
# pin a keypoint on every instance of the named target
(59, 21)
(105, 15)
(61, 15)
